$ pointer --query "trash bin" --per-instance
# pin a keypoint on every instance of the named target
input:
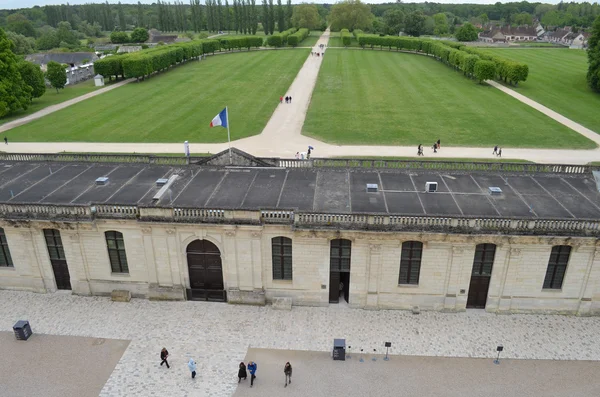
(22, 330)
(339, 349)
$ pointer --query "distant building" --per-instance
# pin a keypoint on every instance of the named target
(129, 48)
(568, 38)
(505, 34)
(71, 59)
(156, 36)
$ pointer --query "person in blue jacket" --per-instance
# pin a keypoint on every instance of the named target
(252, 368)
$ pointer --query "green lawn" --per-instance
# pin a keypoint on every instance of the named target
(336, 41)
(557, 80)
(387, 98)
(178, 105)
(52, 98)
(312, 39)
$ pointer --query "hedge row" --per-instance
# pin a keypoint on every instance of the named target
(357, 32)
(454, 54)
(241, 42)
(284, 35)
(297, 37)
(143, 63)
(346, 37)
(274, 40)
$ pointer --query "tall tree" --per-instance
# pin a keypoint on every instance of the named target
(414, 23)
(236, 16)
(22, 45)
(227, 16)
(15, 94)
(56, 75)
(441, 24)
(33, 76)
(306, 16)
(593, 74)
(351, 14)
(209, 15)
(121, 14)
(265, 17)
(219, 15)
(140, 15)
(271, 17)
(289, 12)
(280, 17)
(393, 20)
(19, 23)
(467, 32)
(253, 17)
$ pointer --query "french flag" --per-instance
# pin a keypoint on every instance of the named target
(220, 119)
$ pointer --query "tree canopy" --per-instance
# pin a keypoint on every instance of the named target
(467, 32)
(306, 16)
(34, 77)
(15, 94)
(56, 75)
(593, 74)
(350, 14)
(139, 35)
(393, 20)
(414, 23)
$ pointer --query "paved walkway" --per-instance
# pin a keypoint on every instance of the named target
(59, 106)
(282, 137)
(217, 336)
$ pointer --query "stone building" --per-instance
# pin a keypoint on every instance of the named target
(373, 234)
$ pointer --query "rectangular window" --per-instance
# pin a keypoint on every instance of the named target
(5, 258)
(557, 267)
(410, 262)
(339, 255)
(54, 244)
(281, 248)
(116, 252)
(484, 260)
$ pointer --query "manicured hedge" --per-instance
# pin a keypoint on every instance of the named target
(484, 70)
(284, 35)
(296, 38)
(346, 37)
(109, 66)
(241, 42)
(274, 40)
(454, 54)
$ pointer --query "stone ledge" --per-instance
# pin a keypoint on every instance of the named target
(119, 295)
(281, 303)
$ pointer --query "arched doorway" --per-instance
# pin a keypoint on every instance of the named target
(206, 272)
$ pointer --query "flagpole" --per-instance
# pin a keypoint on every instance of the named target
(228, 135)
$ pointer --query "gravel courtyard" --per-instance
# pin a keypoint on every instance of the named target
(218, 335)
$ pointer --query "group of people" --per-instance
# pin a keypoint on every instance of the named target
(288, 99)
(436, 145)
(304, 155)
(242, 370)
(317, 53)
(497, 151)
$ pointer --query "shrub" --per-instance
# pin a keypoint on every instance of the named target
(109, 66)
(119, 37)
(284, 35)
(346, 37)
(484, 70)
(296, 38)
(274, 40)
(139, 35)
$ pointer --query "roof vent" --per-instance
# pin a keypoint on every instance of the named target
(161, 181)
(495, 191)
(431, 187)
(165, 187)
(103, 180)
(372, 188)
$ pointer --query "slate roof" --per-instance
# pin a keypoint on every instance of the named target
(61, 57)
(325, 190)
(497, 32)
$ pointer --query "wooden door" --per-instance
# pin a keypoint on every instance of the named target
(57, 258)
(481, 275)
(205, 271)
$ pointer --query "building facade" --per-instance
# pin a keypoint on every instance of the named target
(316, 255)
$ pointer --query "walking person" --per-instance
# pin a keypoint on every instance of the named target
(420, 150)
(500, 152)
(297, 155)
(280, 99)
(290, 99)
(435, 147)
(287, 370)
(6, 140)
(287, 99)
(495, 150)
(192, 367)
(252, 368)
(242, 372)
(164, 354)
(438, 144)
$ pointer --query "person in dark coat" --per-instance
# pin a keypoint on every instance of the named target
(164, 354)
(495, 150)
(500, 152)
(287, 99)
(435, 147)
(6, 140)
(287, 370)
(438, 144)
(420, 150)
(242, 372)
(252, 368)
(290, 99)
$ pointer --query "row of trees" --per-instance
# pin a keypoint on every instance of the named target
(454, 54)
(593, 74)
